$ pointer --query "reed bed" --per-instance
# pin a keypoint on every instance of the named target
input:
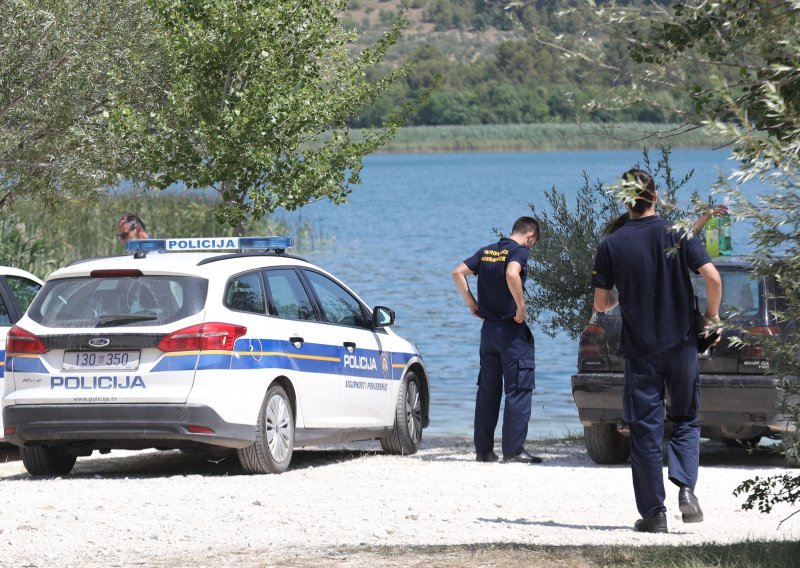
(545, 137)
(41, 240)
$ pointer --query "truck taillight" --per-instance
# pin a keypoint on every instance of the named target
(22, 341)
(203, 337)
(752, 358)
(593, 349)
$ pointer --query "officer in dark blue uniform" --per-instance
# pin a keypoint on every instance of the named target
(507, 350)
(649, 264)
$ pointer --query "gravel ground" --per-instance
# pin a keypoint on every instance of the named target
(170, 509)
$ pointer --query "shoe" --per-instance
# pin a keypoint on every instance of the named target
(490, 457)
(522, 457)
(657, 524)
(689, 505)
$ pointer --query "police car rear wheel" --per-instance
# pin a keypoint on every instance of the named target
(406, 435)
(274, 445)
(41, 461)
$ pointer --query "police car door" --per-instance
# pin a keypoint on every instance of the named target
(16, 295)
(310, 350)
(365, 387)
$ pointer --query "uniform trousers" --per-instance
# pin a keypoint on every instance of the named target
(507, 358)
(646, 380)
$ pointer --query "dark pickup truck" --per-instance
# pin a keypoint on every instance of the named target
(739, 399)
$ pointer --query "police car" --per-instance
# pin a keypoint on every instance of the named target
(246, 348)
(17, 290)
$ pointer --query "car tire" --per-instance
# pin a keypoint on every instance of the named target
(605, 445)
(274, 445)
(405, 437)
(41, 461)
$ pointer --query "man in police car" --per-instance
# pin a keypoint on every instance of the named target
(507, 349)
(130, 228)
(649, 262)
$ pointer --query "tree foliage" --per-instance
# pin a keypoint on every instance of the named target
(257, 101)
(560, 297)
(60, 61)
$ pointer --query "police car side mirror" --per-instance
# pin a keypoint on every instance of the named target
(382, 316)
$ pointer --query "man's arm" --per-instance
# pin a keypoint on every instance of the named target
(604, 300)
(460, 274)
(514, 280)
(713, 282)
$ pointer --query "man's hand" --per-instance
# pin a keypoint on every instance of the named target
(711, 323)
(520, 316)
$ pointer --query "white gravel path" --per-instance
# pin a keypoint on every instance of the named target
(168, 509)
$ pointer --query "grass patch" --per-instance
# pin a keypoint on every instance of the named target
(542, 137)
(741, 555)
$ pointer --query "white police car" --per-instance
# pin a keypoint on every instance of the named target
(17, 290)
(254, 351)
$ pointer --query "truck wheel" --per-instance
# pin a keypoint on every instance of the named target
(274, 445)
(791, 449)
(746, 443)
(605, 445)
(41, 461)
(406, 435)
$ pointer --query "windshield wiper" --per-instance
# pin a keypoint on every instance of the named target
(122, 319)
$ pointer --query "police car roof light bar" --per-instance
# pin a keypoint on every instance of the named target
(201, 244)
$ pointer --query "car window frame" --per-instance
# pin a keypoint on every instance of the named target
(272, 310)
(366, 313)
(261, 279)
(15, 311)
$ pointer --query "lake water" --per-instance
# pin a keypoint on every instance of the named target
(418, 215)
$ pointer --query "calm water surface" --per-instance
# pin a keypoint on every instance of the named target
(418, 215)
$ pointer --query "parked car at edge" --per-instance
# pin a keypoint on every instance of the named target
(17, 290)
(253, 353)
(739, 400)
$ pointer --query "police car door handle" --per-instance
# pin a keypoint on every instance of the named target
(350, 346)
(296, 341)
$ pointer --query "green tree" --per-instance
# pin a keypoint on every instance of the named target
(561, 297)
(256, 103)
(60, 60)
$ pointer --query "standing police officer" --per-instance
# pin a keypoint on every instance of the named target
(649, 263)
(507, 350)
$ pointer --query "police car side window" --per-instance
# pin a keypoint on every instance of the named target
(245, 294)
(339, 306)
(5, 319)
(289, 298)
(24, 290)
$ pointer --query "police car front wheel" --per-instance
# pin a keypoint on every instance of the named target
(406, 434)
(272, 450)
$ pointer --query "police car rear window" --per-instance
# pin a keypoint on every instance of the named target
(118, 301)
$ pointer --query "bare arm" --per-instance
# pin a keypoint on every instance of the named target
(716, 211)
(713, 290)
(604, 300)
(514, 280)
(460, 274)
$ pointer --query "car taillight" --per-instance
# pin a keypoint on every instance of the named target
(752, 358)
(592, 349)
(22, 341)
(203, 337)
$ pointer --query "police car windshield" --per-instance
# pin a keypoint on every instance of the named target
(120, 300)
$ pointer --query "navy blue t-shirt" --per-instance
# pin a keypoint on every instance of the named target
(495, 301)
(649, 264)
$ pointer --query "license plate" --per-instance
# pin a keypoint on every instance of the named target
(125, 360)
